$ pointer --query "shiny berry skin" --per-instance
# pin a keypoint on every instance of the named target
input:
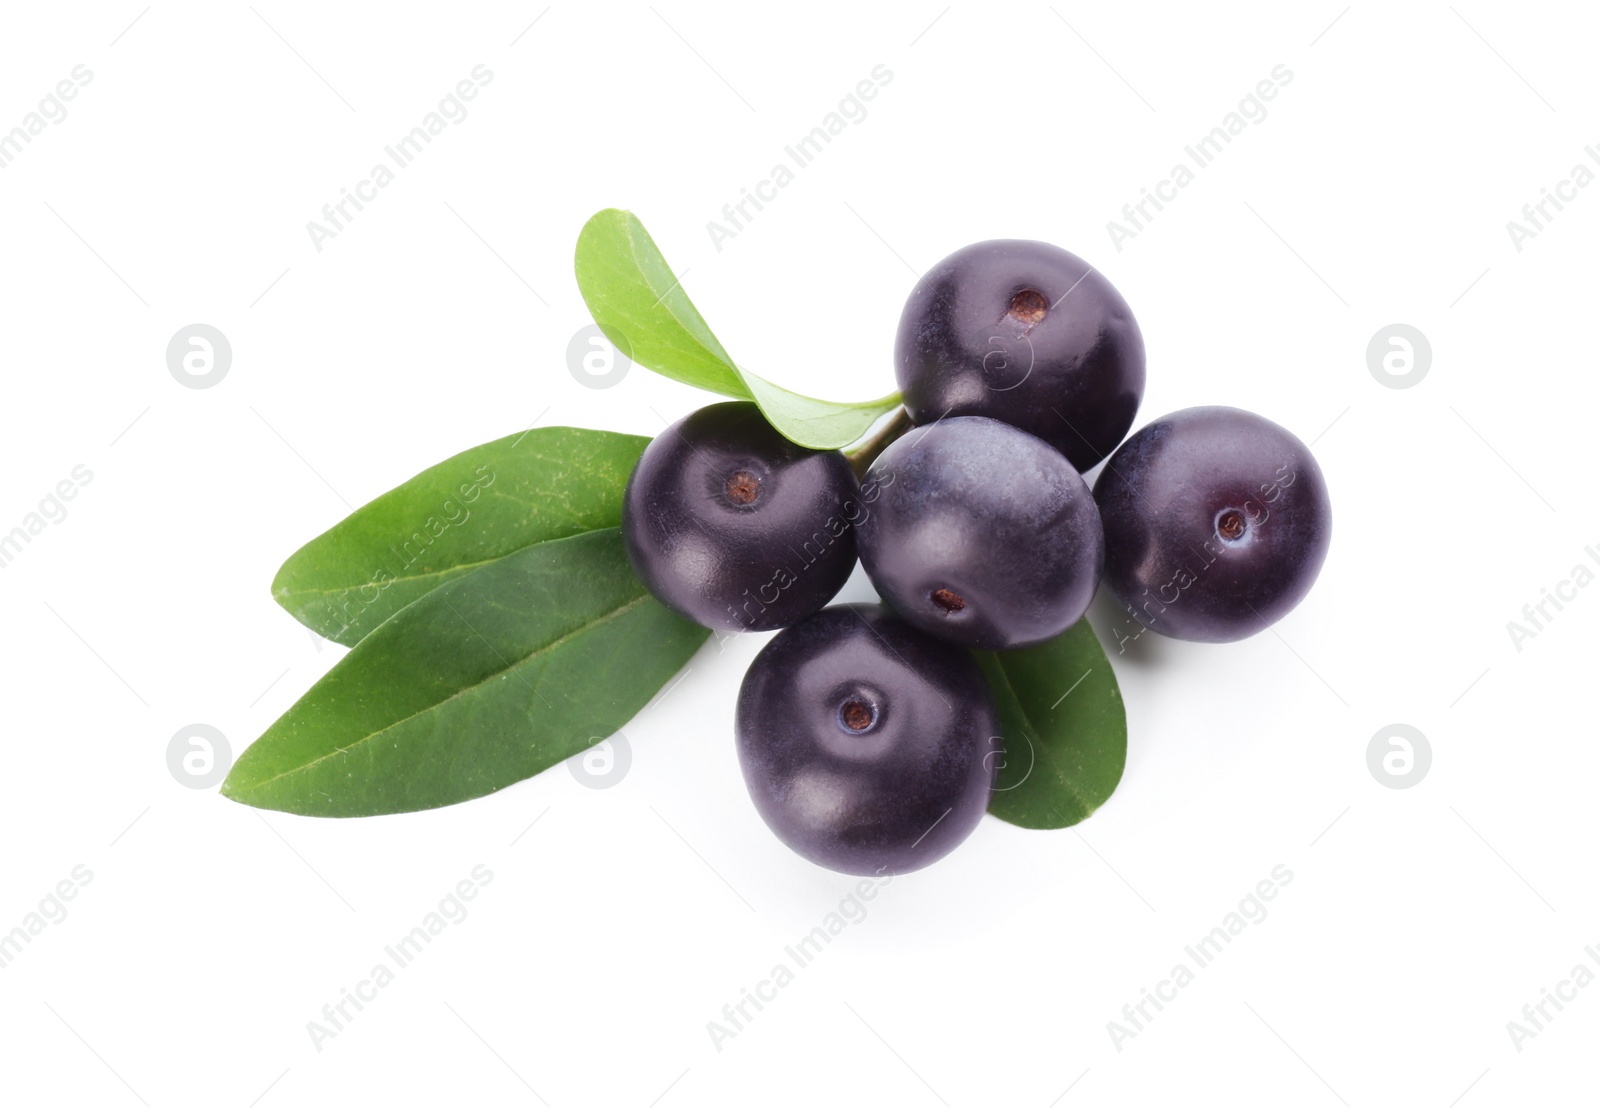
(1027, 333)
(735, 527)
(981, 534)
(1217, 522)
(867, 746)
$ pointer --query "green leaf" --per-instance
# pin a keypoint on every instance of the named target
(487, 680)
(462, 513)
(812, 422)
(643, 309)
(1065, 730)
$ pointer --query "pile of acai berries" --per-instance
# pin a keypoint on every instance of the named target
(867, 733)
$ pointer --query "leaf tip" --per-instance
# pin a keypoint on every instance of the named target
(233, 791)
(603, 217)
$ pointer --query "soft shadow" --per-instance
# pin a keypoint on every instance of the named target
(1125, 639)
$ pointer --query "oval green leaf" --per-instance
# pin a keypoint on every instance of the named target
(643, 309)
(487, 680)
(639, 304)
(1064, 726)
(478, 506)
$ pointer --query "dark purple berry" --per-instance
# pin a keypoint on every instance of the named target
(1027, 333)
(1216, 521)
(867, 746)
(981, 534)
(735, 527)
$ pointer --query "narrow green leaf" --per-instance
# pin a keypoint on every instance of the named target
(1065, 730)
(487, 680)
(640, 305)
(477, 506)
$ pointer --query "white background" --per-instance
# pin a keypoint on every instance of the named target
(1376, 191)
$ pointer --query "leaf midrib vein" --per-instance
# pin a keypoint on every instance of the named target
(497, 675)
(1030, 727)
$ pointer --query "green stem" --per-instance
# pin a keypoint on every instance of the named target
(863, 455)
